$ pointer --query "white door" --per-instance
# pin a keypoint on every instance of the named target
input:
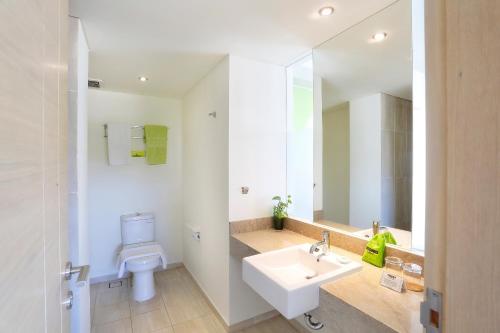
(33, 166)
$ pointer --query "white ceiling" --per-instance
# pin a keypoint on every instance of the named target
(353, 66)
(176, 42)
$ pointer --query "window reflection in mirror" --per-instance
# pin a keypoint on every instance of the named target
(300, 122)
(371, 126)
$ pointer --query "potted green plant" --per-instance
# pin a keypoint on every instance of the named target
(279, 211)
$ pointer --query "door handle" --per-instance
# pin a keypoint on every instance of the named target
(68, 302)
(83, 273)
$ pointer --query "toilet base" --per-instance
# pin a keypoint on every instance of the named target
(143, 287)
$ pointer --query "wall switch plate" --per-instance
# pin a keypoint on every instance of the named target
(431, 311)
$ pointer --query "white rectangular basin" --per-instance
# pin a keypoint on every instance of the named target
(289, 279)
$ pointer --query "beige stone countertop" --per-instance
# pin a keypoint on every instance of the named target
(399, 311)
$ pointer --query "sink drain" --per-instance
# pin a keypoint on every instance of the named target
(308, 277)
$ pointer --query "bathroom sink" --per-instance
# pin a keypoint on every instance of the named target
(289, 279)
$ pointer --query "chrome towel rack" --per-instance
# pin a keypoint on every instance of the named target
(133, 137)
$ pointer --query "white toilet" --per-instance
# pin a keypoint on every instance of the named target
(140, 255)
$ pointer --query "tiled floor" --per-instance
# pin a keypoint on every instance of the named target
(178, 307)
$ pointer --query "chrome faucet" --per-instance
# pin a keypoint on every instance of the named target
(325, 243)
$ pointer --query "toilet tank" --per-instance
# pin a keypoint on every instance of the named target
(137, 228)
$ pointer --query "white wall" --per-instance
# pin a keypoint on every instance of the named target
(365, 160)
(205, 181)
(245, 145)
(137, 187)
(257, 159)
(257, 137)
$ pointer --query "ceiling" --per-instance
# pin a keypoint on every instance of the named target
(175, 43)
(352, 65)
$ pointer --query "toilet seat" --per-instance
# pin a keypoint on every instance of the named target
(143, 264)
(144, 260)
(141, 257)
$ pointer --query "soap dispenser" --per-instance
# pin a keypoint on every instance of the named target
(375, 227)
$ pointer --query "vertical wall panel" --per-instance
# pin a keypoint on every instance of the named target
(473, 232)
(31, 110)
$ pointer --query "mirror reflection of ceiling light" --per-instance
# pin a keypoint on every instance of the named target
(326, 11)
(143, 78)
(379, 36)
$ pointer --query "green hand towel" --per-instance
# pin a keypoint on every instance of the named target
(156, 144)
(389, 238)
(375, 251)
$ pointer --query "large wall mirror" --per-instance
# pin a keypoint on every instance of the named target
(369, 131)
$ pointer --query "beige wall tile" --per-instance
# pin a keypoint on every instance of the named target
(236, 227)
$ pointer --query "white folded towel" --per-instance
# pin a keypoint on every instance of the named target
(137, 251)
(119, 143)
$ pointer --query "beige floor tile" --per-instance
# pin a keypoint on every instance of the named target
(181, 307)
(165, 330)
(120, 326)
(274, 325)
(182, 297)
(156, 303)
(150, 321)
(169, 278)
(107, 314)
(206, 324)
(93, 295)
(180, 285)
(190, 284)
(112, 296)
(99, 286)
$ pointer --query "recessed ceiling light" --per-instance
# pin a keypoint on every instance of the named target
(379, 36)
(326, 11)
(143, 78)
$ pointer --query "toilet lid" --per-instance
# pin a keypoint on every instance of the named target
(144, 260)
